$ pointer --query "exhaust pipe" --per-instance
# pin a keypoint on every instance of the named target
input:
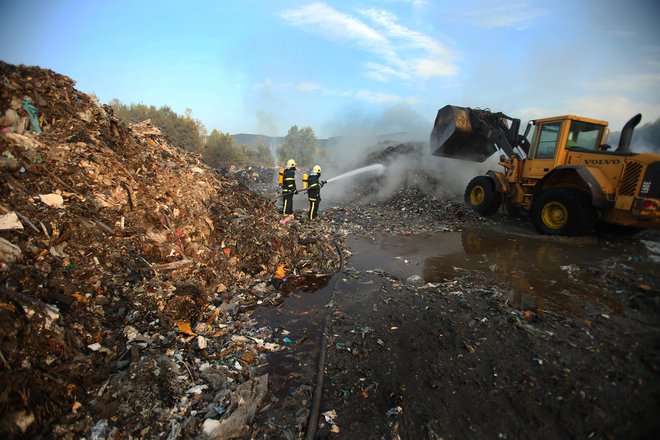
(627, 132)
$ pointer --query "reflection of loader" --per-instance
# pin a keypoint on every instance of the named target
(565, 178)
(530, 270)
(500, 259)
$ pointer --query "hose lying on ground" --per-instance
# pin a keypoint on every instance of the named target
(312, 421)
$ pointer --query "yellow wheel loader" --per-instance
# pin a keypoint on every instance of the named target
(565, 177)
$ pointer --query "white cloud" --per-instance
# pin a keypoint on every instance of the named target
(360, 95)
(414, 3)
(428, 68)
(427, 56)
(382, 98)
(640, 82)
(383, 73)
(495, 14)
(403, 53)
(336, 26)
(307, 86)
(617, 110)
(270, 85)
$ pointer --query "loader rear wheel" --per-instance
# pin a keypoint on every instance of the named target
(512, 209)
(481, 196)
(563, 211)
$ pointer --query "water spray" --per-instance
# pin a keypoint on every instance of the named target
(377, 168)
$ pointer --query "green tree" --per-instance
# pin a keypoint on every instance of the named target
(181, 131)
(220, 151)
(300, 145)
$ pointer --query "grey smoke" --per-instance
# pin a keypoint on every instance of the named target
(443, 178)
(395, 119)
(356, 134)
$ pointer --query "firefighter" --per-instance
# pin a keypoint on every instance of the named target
(288, 187)
(314, 192)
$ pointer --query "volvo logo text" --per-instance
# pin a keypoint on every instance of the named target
(603, 161)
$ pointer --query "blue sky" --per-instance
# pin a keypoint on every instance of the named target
(348, 67)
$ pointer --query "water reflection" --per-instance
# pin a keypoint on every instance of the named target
(542, 274)
(297, 324)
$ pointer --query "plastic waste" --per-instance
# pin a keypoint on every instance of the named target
(34, 115)
(100, 430)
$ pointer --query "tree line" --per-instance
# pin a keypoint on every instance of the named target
(217, 148)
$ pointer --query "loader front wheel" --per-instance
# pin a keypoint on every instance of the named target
(481, 196)
(563, 211)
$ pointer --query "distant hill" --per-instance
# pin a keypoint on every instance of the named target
(253, 139)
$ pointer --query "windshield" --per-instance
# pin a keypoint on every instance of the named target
(585, 135)
(547, 143)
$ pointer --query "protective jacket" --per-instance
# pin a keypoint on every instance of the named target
(314, 191)
(314, 195)
(289, 181)
(288, 190)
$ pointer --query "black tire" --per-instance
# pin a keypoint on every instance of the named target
(513, 210)
(563, 211)
(480, 195)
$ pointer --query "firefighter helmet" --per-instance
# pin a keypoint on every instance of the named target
(291, 163)
(316, 169)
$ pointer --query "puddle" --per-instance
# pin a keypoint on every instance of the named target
(544, 274)
(297, 324)
(401, 255)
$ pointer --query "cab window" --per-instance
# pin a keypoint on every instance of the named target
(584, 135)
(548, 141)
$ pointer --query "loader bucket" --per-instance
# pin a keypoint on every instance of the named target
(454, 136)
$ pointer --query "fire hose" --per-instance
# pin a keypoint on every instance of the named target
(299, 191)
(314, 412)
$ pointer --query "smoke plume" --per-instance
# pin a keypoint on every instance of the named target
(399, 139)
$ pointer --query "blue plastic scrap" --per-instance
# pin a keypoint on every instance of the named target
(34, 115)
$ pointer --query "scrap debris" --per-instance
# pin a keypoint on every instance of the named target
(107, 227)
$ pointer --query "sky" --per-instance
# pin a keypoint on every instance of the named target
(348, 67)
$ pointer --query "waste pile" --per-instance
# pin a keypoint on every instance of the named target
(410, 197)
(407, 211)
(261, 180)
(251, 175)
(128, 273)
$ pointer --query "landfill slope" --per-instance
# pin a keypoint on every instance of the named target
(128, 271)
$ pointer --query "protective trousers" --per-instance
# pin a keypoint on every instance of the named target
(313, 208)
(287, 204)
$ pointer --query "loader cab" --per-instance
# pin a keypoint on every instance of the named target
(555, 137)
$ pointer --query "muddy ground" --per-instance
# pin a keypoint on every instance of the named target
(460, 327)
